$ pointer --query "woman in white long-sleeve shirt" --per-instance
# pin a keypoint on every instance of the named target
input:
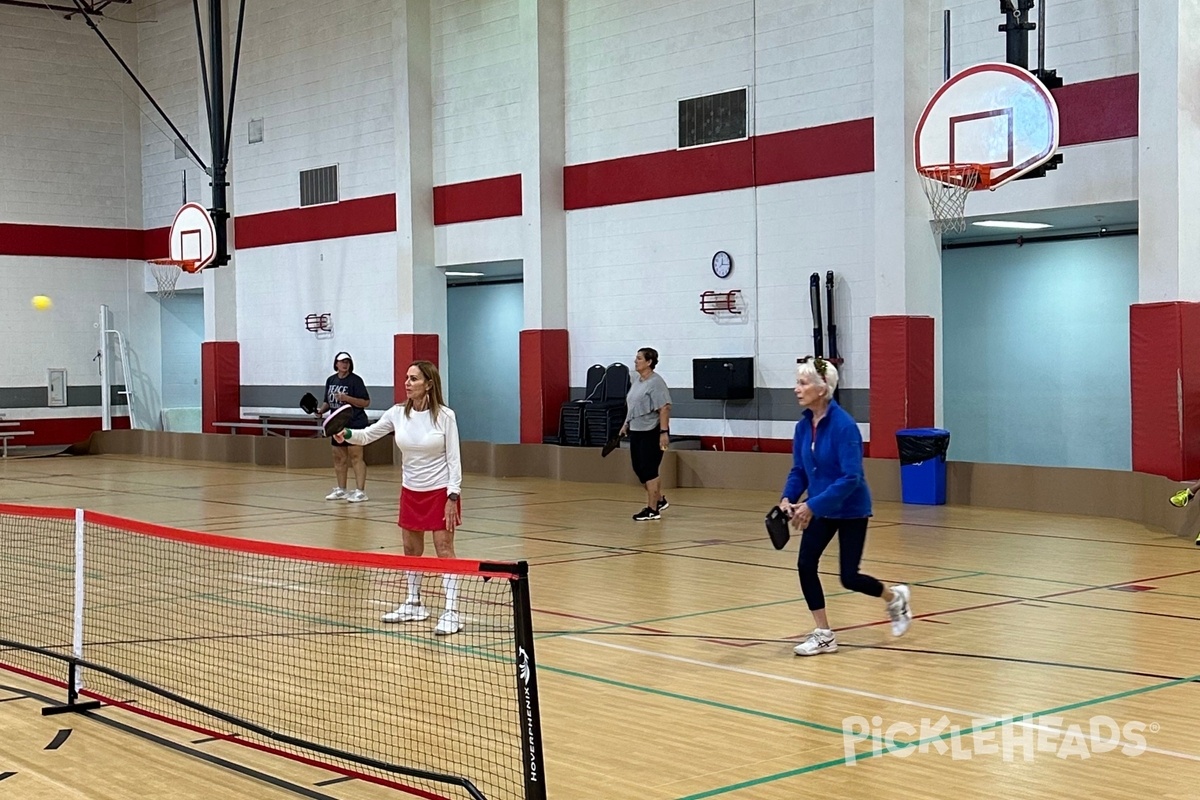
(427, 434)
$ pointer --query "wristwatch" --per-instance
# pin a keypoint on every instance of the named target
(452, 497)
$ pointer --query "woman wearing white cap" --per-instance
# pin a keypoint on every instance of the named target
(344, 387)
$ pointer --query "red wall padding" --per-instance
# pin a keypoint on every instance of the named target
(407, 348)
(545, 382)
(901, 379)
(221, 389)
(1165, 388)
(490, 198)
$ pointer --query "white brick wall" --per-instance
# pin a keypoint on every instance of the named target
(1085, 39)
(629, 62)
(637, 273)
(320, 76)
(353, 279)
(169, 66)
(476, 89)
(807, 227)
(67, 336)
(483, 240)
(813, 63)
(62, 126)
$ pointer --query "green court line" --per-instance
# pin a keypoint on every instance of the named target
(542, 668)
(692, 614)
(692, 699)
(837, 762)
(68, 569)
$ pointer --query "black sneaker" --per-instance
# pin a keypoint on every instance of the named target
(646, 514)
(662, 503)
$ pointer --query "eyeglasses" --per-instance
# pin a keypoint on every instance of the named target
(819, 364)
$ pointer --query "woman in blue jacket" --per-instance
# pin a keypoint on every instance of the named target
(827, 463)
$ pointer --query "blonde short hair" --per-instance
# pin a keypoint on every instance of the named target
(815, 368)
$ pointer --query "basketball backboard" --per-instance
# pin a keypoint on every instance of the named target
(193, 236)
(996, 115)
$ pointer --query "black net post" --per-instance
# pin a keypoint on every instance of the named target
(527, 688)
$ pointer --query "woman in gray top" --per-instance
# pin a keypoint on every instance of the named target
(648, 423)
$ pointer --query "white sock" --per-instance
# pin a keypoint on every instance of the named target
(450, 584)
(414, 587)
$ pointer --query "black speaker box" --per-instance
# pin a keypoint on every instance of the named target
(723, 378)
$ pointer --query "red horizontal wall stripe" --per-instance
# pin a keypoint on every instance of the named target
(64, 241)
(1089, 111)
(490, 198)
(653, 176)
(156, 243)
(843, 148)
(1098, 111)
(364, 215)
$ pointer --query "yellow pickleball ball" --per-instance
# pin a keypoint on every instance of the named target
(41, 302)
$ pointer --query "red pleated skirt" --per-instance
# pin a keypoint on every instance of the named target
(423, 511)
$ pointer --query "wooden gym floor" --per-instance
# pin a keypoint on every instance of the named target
(665, 648)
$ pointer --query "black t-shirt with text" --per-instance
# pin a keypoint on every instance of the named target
(353, 386)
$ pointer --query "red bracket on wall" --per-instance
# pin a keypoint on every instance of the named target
(721, 302)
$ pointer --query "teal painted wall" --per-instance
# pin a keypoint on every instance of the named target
(1036, 352)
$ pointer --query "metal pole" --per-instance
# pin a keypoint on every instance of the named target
(102, 357)
(145, 92)
(1041, 26)
(216, 131)
(233, 80)
(76, 680)
(946, 45)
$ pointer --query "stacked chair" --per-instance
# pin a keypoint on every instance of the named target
(599, 415)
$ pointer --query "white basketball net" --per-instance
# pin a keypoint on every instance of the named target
(166, 276)
(947, 187)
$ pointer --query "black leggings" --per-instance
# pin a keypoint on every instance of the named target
(646, 454)
(852, 536)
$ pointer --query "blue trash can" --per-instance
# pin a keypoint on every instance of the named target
(923, 465)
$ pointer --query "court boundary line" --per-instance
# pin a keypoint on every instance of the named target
(209, 758)
(952, 734)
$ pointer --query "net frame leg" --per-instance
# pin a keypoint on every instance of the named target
(73, 706)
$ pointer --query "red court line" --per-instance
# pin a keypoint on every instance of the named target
(236, 739)
(228, 737)
(594, 619)
(1022, 599)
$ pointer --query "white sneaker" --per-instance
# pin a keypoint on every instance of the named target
(448, 623)
(819, 641)
(356, 496)
(411, 611)
(338, 493)
(899, 610)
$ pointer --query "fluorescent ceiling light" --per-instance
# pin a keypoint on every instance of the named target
(1012, 225)
(464, 274)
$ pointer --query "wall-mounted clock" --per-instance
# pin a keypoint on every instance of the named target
(722, 264)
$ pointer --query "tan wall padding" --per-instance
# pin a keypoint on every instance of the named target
(1133, 496)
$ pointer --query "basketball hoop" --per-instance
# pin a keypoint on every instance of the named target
(166, 273)
(946, 187)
